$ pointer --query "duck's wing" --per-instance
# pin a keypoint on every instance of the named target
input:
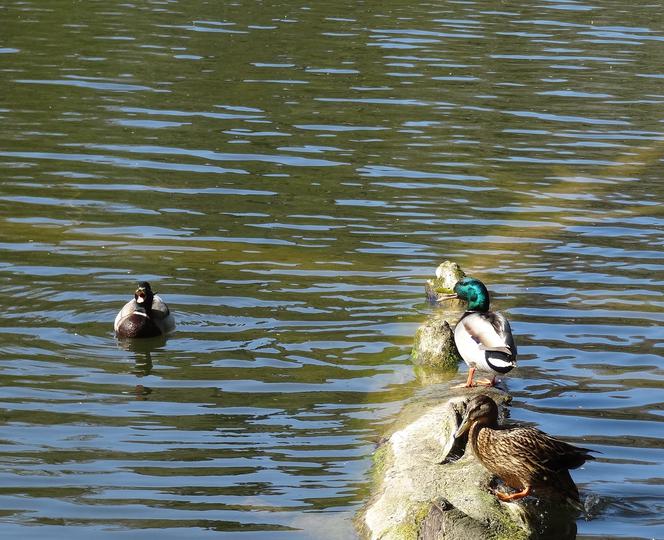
(541, 451)
(491, 331)
(162, 315)
(530, 456)
(129, 308)
(159, 307)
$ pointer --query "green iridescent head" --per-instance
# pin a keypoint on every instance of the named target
(474, 292)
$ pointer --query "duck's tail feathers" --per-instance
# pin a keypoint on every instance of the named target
(500, 361)
(505, 350)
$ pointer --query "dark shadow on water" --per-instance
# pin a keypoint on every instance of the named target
(549, 520)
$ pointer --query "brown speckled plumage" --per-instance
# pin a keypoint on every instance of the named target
(524, 458)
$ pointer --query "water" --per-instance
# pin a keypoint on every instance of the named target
(286, 176)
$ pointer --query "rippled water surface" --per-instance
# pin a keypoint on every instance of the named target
(286, 175)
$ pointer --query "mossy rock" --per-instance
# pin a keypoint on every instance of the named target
(423, 490)
(434, 345)
(446, 276)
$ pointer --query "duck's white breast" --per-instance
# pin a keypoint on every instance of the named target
(469, 348)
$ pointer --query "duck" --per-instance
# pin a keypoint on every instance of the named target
(524, 458)
(482, 337)
(147, 315)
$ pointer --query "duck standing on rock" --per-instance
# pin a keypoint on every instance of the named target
(482, 337)
(147, 315)
(524, 458)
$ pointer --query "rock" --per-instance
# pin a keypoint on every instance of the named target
(428, 486)
(445, 521)
(434, 349)
(434, 344)
(447, 274)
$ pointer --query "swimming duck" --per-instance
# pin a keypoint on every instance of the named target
(482, 337)
(525, 458)
(145, 316)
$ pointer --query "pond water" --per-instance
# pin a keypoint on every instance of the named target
(287, 175)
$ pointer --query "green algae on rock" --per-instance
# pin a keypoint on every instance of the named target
(446, 276)
(434, 345)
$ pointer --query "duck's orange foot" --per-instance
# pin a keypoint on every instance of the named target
(480, 382)
(469, 380)
(513, 496)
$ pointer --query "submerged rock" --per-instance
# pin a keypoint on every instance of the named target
(427, 486)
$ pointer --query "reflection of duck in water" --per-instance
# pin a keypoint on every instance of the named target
(142, 350)
(142, 364)
(145, 316)
(524, 458)
(482, 337)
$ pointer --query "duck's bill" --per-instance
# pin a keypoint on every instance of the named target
(140, 295)
(465, 426)
(447, 296)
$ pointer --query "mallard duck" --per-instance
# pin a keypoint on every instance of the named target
(482, 337)
(524, 458)
(145, 316)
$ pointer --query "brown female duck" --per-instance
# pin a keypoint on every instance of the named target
(147, 315)
(524, 458)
